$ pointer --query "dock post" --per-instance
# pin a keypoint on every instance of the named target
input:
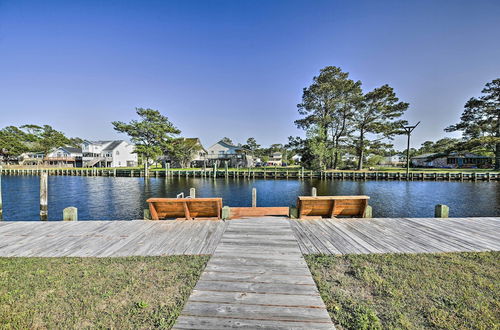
(44, 196)
(192, 193)
(441, 211)
(147, 214)
(368, 212)
(215, 169)
(254, 197)
(226, 213)
(226, 168)
(1, 212)
(70, 214)
(314, 192)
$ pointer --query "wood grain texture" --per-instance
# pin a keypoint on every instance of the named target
(256, 278)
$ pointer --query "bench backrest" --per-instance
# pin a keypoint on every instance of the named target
(188, 208)
(332, 206)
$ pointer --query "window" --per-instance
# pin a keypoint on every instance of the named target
(117, 152)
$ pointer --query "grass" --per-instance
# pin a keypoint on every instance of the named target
(403, 291)
(60, 293)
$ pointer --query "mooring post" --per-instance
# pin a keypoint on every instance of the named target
(44, 187)
(314, 192)
(368, 212)
(215, 169)
(1, 212)
(226, 213)
(254, 197)
(441, 211)
(192, 193)
(226, 168)
(147, 214)
(70, 214)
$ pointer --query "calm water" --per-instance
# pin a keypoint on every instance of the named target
(108, 198)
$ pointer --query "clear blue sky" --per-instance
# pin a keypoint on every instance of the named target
(236, 68)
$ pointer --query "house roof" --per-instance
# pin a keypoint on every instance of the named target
(192, 142)
(73, 150)
(112, 145)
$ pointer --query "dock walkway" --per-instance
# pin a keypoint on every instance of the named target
(257, 278)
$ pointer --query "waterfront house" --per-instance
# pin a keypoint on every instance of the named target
(276, 159)
(451, 160)
(394, 160)
(59, 157)
(236, 156)
(108, 154)
(194, 154)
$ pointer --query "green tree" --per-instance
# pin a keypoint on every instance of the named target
(152, 134)
(480, 121)
(251, 145)
(327, 106)
(445, 145)
(44, 138)
(182, 151)
(227, 140)
(12, 142)
(377, 116)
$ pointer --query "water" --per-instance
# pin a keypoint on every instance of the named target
(109, 198)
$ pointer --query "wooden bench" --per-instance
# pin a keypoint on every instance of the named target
(318, 207)
(185, 208)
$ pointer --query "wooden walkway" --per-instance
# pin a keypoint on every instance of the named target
(390, 235)
(257, 278)
(108, 238)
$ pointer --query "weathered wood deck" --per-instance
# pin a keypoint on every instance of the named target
(337, 236)
(256, 278)
(108, 238)
(390, 235)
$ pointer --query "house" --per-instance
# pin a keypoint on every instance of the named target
(194, 157)
(236, 156)
(347, 157)
(108, 154)
(296, 158)
(276, 159)
(59, 157)
(394, 160)
(452, 160)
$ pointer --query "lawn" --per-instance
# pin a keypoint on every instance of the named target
(410, 291)
(60, 293)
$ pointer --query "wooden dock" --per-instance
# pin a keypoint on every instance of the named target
(108, 238)
(334, 236)
(257, 278)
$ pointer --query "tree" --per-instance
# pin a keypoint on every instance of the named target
(327, 106)
(480, 121)
(445, 145)
(227, 140)
(251, 145)
(182, 151)
(12, 142)
(152, 134)
(44, 138)
(377, 115)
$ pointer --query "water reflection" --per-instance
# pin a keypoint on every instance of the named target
(107, 198)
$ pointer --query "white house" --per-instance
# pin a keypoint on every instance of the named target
(276, 159)
(108, 154)
(221, 152)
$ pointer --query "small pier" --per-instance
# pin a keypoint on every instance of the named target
(256, 173)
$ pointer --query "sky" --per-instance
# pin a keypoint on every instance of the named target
(237, 68)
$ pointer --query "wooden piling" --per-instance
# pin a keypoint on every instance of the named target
(44, 196)
(441, 211)
(226, 213)
(147, 214)
(192, 193)
(70, 214)
(368, 212)
(254, 197)
(314, 192)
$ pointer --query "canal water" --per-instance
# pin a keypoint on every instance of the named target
(109, 198)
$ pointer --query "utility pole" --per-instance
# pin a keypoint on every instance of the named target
(408, 130)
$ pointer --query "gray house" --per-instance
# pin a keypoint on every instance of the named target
(236, 156)
(452, 160)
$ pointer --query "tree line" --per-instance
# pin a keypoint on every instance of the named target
(338, 117)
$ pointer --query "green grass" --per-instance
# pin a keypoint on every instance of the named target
(417, 291)
(60, 293)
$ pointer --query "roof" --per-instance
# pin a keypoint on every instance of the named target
(73, 150)
(113, 145)
(192, 142)
(430, 156)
